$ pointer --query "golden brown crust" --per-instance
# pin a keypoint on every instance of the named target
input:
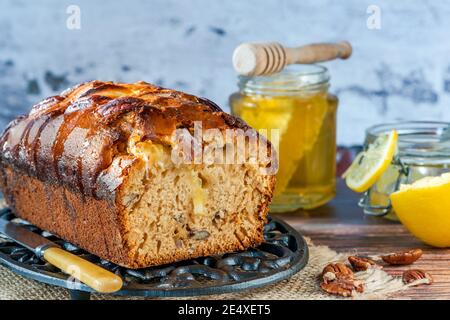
(72, 138)
(63, 212)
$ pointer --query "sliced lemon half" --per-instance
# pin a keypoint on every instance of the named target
(370, 164)
(423, 208)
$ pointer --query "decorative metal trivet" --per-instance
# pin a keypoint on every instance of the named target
(283, 253)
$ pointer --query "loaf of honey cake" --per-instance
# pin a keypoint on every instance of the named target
(120, 171)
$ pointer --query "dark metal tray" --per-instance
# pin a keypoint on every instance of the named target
(283, 253)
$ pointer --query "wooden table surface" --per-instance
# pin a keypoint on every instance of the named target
(342, 226)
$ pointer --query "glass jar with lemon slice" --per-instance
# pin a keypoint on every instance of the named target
(422, 150)
(296, 102)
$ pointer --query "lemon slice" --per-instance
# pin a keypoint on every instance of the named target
(299, 137)
(299, 120)
(369, 165)
(423, 208)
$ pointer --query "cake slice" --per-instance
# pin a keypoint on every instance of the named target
(137, 174)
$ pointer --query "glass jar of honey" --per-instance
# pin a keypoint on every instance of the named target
(297, 103)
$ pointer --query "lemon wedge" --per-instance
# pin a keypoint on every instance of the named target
(370, 164)
(299, 121)
(423, 207)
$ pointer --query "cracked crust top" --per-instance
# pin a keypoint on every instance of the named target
(73, 137)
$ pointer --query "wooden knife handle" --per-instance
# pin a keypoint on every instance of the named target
(318, 52)
(90, 274)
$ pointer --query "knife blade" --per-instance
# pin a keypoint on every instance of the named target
(85, 271)
(26, 238)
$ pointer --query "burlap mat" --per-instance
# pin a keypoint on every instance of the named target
(304, 285)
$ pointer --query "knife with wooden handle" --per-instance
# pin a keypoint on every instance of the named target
(90, 274)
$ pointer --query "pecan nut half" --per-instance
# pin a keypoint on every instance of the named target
(403, 258)
(342, 287)
(417, 274)
(338, 279)
(333, 271)
(362, 263)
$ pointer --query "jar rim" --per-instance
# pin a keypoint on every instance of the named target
(419, 142)
(292, 79)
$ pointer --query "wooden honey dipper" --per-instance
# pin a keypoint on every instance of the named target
(260, 59)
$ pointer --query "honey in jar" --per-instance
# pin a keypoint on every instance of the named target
(297, 103)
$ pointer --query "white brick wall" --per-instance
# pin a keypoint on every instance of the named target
(401, 71)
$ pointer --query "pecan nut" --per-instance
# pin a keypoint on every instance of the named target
(338, 279)
(417, 274)
(333, 271)
(403, 258)
(362, 263)
(342, 287)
